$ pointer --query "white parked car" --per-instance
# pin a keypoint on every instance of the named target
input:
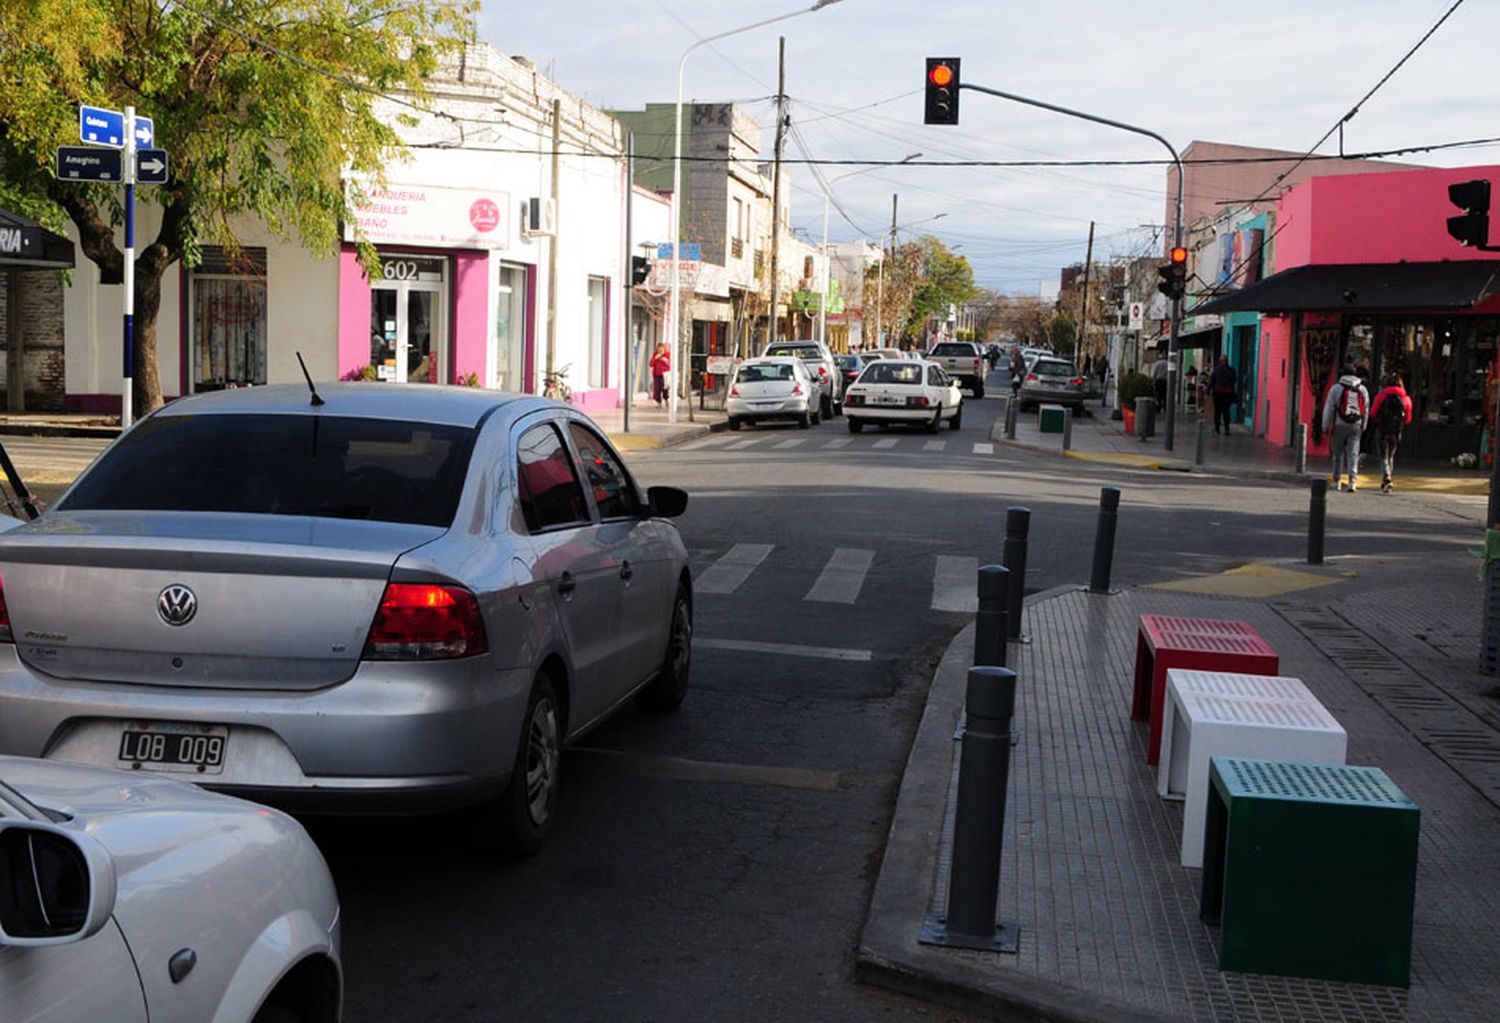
(128, 896)
(773, 388)
(906, 391)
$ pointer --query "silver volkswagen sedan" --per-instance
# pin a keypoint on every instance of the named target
(377, 598)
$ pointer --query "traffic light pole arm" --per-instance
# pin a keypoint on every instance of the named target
(1176, 233)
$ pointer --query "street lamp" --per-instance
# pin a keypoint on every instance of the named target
(674, 302)
(827, 263)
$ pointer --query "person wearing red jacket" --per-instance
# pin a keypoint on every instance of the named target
(1390, 413)
(661, 365)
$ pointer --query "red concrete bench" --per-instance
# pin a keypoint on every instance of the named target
(1205, 644)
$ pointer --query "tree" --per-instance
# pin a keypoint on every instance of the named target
(1063, 333)
(920, 278)
(265, 107)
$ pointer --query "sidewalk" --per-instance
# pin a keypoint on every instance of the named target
(1096, 437)
(1108, 918)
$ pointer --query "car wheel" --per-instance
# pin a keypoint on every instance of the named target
(937, 420)
(805, 421)
(734, 422)
(825, 407)
(529, 803)
(979, 389)
(272, 1013)
(855, 426)
(817, 417)
(666, 691)
(958, 417)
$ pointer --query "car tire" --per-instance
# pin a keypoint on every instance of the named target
(735, 423)
(528, 805)
(937, 421)
(979, 389)
(817, 417)
(825, 407)
(668, 689)
(274, 1013)
(855, 426)
(958, 417)
(804, 421)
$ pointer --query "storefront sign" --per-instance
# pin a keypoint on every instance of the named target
(433, 215)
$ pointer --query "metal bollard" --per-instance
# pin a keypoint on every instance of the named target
(1317, 516)
(1104, 539)
(1301, 462)
(1145, 412)
(1067, 429)
(1198, 458)
(989, 621)
(1017, 524)
(979, 820)
(1011, 410)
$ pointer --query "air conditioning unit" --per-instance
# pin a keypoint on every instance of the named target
(538, 216)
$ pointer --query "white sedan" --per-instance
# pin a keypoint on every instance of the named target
(907, 391)
(773, 387)
(127, 896)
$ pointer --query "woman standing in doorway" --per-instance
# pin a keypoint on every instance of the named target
(661, 364)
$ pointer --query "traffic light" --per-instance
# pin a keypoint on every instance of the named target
(1173, 276)
(942, 91)
(1473, 227)
(640, 269)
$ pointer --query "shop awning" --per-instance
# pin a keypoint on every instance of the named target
(1204, 337)
(26, 245)
(1366, 287)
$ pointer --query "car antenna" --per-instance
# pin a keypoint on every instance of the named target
(315, 399)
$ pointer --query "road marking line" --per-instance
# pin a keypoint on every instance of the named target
(935, 445)
(842, 577)
(984, 449)
(726, 574)
(955, 584)
(886, 444)
(683, 769)
(842, 442)
(742, 444)
(795, 442)
(789, 649)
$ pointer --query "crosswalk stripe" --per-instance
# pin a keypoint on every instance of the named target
(885, 444)
(737, 445)
(842, 442)
(795, 442)
(935, 445)
(955, 584)
(842, 577)
(726, 574)
(984, 449)
(790, 649)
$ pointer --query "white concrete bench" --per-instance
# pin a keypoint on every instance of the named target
(1210, 713)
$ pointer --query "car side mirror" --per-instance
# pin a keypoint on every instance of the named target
(666, 502)
(56, 886)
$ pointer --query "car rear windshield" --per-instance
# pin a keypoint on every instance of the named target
(953, 348)
(350, 468)
(892, 373)
(762, 374)
(806, 352)
(1054, 368)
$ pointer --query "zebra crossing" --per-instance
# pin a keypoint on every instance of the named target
(779, 441)
(842, 578)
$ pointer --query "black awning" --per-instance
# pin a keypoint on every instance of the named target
(26, 245)
(1203, 337)
(1353, 287)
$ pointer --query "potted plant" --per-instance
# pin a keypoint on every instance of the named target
(1131, 387)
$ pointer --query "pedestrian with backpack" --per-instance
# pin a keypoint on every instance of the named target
(1346, 412)
(1391, 412)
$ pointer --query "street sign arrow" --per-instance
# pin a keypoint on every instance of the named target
(145, 131)
(101, 127)
(151, 166)
(87, 163)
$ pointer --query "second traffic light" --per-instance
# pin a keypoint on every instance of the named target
(1173, 276)
(1473, 227)
(941, 91)
(640, 269)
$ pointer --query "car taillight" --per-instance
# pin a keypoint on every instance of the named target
(976, 365)
(796, 388)
(917, 402)
(1076, 381)
(734, 391)
(854, 399)
(1030, 377)
(425, 621)
(822, 371)
(5, 635)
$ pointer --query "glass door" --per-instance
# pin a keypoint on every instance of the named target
(510, 330)
(408, 320)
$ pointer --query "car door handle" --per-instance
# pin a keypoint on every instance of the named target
(566, 584)
(626, 571)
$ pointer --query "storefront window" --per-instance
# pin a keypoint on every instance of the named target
(510, 329)
(228, 315)
(598, 374)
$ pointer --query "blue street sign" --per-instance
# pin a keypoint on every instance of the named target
(145, 131)
(692, 252)
(101, 127)
(86, 163)
(151, 166)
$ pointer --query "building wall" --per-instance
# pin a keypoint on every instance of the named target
(39, 293)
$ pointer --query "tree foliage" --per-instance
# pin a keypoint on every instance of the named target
(263, 106)
(920, 278)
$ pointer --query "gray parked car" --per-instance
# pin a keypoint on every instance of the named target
(387, 598)
(1052, 380)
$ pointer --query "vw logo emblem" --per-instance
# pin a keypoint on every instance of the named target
(177, 605)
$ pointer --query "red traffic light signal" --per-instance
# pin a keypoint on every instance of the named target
(1178, 255)
(941, 87)
(1473, 226)
(1173, 276)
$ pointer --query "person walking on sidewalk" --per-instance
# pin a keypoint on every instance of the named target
(1221, 383)
(1390, 412)
(1346, 411)
(1159, 378)
(661, 364)
(1017, 370)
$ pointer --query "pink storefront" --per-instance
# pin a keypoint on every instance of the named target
(1367, 275)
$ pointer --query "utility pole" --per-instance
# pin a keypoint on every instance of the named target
(552, 246)
(1083, 304)
(776, 187)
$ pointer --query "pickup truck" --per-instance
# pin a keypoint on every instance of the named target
(962, 360)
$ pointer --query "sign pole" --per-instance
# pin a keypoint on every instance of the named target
(127, 403)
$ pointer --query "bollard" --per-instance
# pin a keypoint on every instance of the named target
(1145, 409)
(1104, 539)
(1317, 515)
(989, 621)
(1067, 429)
(979, 820)
(1202, 432)
(1010, 419)
(1017, 523)
(1301, 463)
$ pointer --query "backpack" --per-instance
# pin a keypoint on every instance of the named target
(1392, 416)
(1352, 405)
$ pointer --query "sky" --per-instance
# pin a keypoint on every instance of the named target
(1274, 73)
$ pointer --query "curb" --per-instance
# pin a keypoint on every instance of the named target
(54, 430)
(888, 955)
(654, 442)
